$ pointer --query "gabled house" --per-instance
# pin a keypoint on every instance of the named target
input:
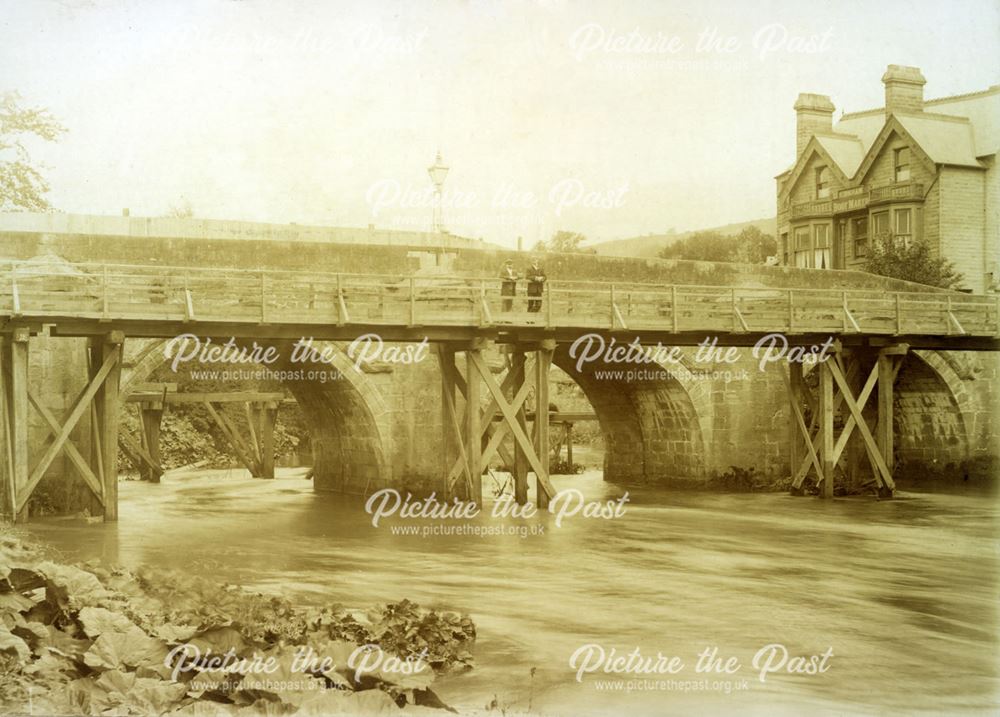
(914, 170)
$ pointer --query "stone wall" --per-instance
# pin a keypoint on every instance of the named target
(403, 259)
(963, 223)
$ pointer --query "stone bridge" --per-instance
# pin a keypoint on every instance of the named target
(110, 291)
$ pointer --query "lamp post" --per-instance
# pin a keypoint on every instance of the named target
(437, 172)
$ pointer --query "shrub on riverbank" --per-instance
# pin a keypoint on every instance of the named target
(747, 480)
(91, 641)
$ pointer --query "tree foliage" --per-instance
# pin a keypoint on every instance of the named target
(563, 242)
(181, 210)
(911, 261)
(750, 246)
(22, 186)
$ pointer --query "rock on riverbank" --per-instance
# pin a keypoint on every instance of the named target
(87, 640)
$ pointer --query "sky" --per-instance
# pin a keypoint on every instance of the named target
(612, 119)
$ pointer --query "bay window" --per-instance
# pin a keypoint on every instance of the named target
(802, 247)
(859, 227)
(903, 230)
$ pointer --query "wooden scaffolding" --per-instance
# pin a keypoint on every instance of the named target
(252, 443)
(96, 463)
(476, 433)
(845, 383)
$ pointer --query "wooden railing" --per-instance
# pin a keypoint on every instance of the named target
(108, 292)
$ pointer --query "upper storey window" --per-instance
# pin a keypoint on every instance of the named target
(822, 182)
(902, 163)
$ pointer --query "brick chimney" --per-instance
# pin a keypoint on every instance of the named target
(813, 114)
(904, 89)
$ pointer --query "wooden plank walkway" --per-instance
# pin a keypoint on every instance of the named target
(156, 300)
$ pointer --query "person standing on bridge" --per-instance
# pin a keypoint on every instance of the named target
(536, 282)
(508, 285)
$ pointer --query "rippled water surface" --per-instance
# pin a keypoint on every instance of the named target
(903, 591)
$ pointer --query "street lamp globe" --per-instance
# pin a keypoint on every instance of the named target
(437, 172)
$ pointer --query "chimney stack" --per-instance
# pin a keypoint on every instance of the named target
(904, 89)
(813, 115)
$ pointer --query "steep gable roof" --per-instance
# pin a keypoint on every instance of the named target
(890, 127)
(982, 109)
(846, 151)
(952, 131)
(946, 140)
(865, 126)
(813, 147)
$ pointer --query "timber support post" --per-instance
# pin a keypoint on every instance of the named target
(268, 415)
(796, 386)
(840, 387)
(151, 419)
(478, 438)
(520, 467)
(889, 362)
(457, 478)
(474, 419)
(543, 363)
(826, 415)
(105, 370)
(15, 423)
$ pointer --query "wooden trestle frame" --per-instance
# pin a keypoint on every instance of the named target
(474, 436)
(97, 463)
(254, 447)
(99, 396)
(814, 447)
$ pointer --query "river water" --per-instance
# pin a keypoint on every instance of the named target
(903, 592)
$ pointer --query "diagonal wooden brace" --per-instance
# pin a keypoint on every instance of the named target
(487, 420)
(448, 374)
(510, 418)
(806, 463)
(71, 420)
(79, 462)
(803, 429)
(873, 452)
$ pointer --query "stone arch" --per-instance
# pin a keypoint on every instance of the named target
(344, 409)
(934, 413)
(654, 423)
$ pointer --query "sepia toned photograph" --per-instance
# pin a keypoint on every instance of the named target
(499, 358)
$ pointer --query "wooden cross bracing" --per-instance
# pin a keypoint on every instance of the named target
(253, 444)
(98, 397)
(478, 435)
(823, 450)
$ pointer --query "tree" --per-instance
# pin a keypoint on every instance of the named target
(750, 246)
(22, 186)
(911, 261)
(563, 242)
(182, 210)
(754, 246)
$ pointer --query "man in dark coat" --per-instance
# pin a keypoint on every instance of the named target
(536, 284)
(508, 284)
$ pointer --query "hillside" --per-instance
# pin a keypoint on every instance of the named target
(649, 245)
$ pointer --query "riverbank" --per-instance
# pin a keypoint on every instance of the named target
(88, 639)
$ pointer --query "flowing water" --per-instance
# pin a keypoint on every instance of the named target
(903, 592)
